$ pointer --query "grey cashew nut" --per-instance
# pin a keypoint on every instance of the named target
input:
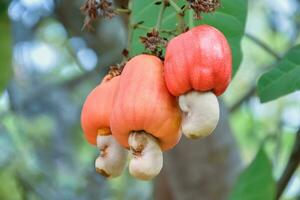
(200, 113)
(147, 158)
(113, 157)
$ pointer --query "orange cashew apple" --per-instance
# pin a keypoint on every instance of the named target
(197, 68)
(145, 117)
(95, 121)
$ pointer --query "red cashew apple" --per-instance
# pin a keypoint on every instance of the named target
(95, 121)
(197, 69)
(145, 117)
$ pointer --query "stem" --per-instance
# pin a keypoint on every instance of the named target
(123, 10)
(141, 27)
(180, 17)
(247, 96)
(290, 168)
(74, 56)
(160, 16)
(278, 134)
(170, 32)
(263, 45)
(130, 29)
(191, 19)
(181, 24)
(175, 6)
(146, 28)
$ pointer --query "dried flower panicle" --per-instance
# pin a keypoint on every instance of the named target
(206, 6)
(95, 8)
(117, 69)
(154, 42)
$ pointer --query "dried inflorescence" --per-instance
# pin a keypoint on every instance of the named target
(154, 43)
(115, 70)
(206, 6)
(95, 8)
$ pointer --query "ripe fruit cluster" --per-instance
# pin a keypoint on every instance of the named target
(151, 103)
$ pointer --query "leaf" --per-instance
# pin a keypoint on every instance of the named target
(230, 19)
(9, 189)
(5, 52)
(283, 79)
(256, 182)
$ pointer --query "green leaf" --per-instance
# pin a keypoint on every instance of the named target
(9, 189)
(283, 79)
(230, 19)
(256, 182)
(5, 52)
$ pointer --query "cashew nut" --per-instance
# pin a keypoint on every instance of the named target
(200, 113)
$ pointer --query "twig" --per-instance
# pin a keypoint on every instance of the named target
(160, 16)
(175, 6)
(170, 32)
(252, 90)
(290, 168)
(108, 59)
(180, 16)
(249, 94)
(73, 55)
(130, 29)
(140, 26)
(263, 45)
(29, 187)
(122, 10)
(146, 28)
(191, 19)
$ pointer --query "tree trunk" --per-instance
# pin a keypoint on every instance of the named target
(200, 169)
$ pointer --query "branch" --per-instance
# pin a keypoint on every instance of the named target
(107, 60)
(175, 6)
(263, 45)
(180, 16)
(247, 96)
(191, 19)
(129, 28)
(250, 92)
(122, 10)
(28, 187)
(71, 52)
(290, 168)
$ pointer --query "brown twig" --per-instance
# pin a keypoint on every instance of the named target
(290, 168)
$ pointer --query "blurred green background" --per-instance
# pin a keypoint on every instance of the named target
(48, 65)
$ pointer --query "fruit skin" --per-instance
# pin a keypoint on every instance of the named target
(144, 103)
(199, 59)
(96, 110)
